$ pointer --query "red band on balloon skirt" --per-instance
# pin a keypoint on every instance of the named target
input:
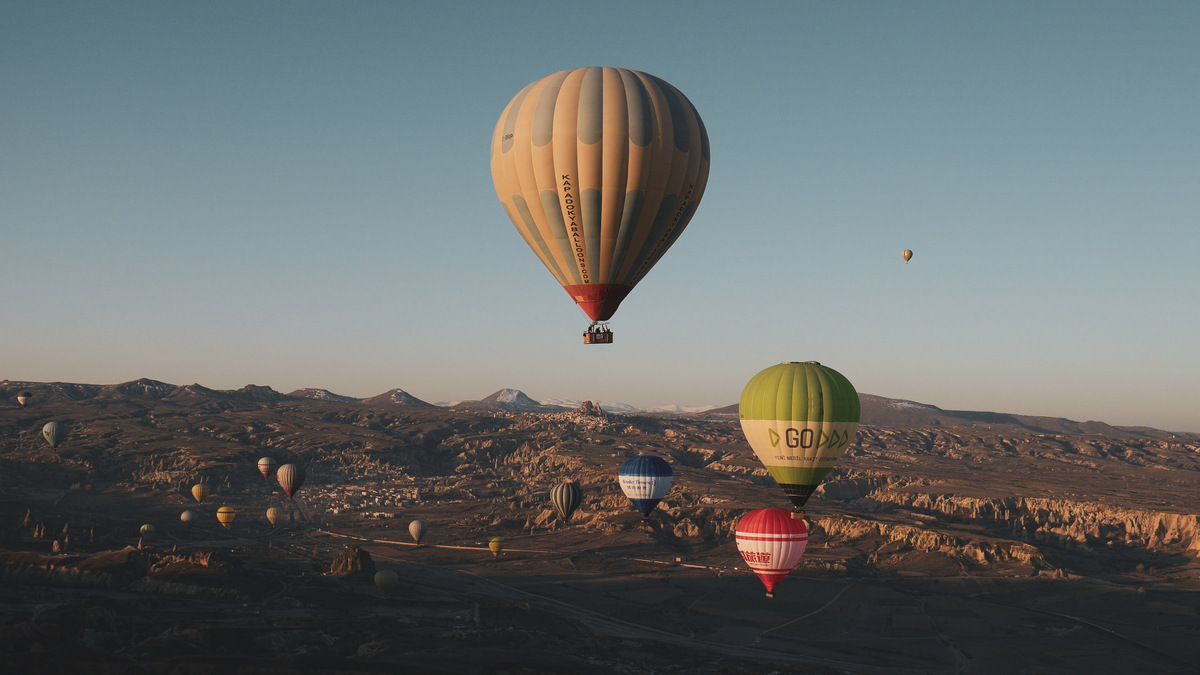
(598, 301)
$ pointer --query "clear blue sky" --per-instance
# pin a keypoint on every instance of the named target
(298, 194)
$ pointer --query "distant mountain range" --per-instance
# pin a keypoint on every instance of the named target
(876, 410)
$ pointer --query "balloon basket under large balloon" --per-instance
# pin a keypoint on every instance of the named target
(598, 334)
(797, 514)
(770, 594)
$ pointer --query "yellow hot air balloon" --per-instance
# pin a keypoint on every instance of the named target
(385, 581)
(496, 545)
(907, 255)
(200, 491)
(225, 515)
(600, 170)
(274, 514)
(799, 418)
(146, 531)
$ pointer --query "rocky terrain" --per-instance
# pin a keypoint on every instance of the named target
(945, 541)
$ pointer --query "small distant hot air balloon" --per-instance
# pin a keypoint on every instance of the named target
(417, 529)
(290, 477)
(645, 480)
(24, 398)
(565, 498)
(200, 491)
(771, 541)
(799, 418)
(187, 518)
(147, 531)
(907, 255)
(385, 581)
(600, 170)
(266, 465)
(274, 514)
(54, 433)
(496, 545)
(225, 515)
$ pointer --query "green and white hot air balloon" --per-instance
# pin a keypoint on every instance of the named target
(799, 418)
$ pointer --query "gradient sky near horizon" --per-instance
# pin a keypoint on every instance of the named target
(298, 194)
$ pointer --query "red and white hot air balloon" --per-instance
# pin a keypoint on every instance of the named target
(266, 465)
(771, 542)
(290, 478)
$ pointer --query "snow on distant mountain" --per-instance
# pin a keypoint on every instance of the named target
(682, 408)
(605, 406)
(397, 397)
(508, 399)
(322, 395)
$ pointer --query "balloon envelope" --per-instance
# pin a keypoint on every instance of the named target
(907, 255)
(799, 418)
(225, 515)
(600, 170)
(24, 398)
(496, 545)
(385, 581)
(645, 480)
(274, 514)
(54, 433)
(266, 465)
(566, 497)
(417, 530)
(771, 542)
(200, 491)
(187, 518)
(290, 477)
(146, 531)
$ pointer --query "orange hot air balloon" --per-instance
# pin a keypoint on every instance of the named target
(600, 170)
(225, 515)
(907, 255)
(496, 545)
(200, 491)
(771, 542)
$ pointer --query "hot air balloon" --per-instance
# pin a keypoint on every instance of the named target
(274, 514)
(771, 541)
(907, 255)
(146, 531)
(266, 465)
(200, 491)
(290, 477)
(417, 529)
(496, 545)
(645, 480)
(600, 170)
(187, 518)
(24, 398)
(385, 581)
(225, 515)
(565, 498)
(799, 418)
(54, 433)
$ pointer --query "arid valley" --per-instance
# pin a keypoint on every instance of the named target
(943, 541)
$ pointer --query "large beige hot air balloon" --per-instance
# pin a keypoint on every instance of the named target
(290, 477)
(600, 170)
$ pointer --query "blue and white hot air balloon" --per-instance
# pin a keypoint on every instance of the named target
(645, 479)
